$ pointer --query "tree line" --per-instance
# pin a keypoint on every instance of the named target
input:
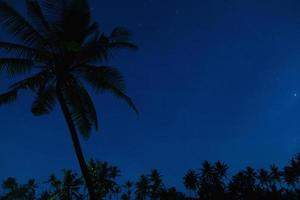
(211, 181)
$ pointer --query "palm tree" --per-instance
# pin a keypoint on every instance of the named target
(68, 188)
(250, 175)
(104, 178)
(14, 190)
(118, 191)
(128, 186)
(221, 169)
(156, 184)
(207, 171)
(290, 176)
(190, 181)
(264, 178)
(61, 56)
(275, 176)
(142, 188)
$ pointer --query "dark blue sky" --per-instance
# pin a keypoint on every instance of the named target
(213, 79)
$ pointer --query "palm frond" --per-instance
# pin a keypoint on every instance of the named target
(34, 11)
(107, 79)
(94, 50)
(122, 45)
(125, 98)
(8, 97)
(102, 77)
(53, 9)
(92, 30)
(81, 106)
(19, 50)
(120, 37)
(75, 11)
(35, 82)
(99, 47)
(81, 10)
(18, 26)
(120, 33)
(44, 102)
(14, 66)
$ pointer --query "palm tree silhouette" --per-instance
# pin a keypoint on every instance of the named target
(17, 191)
(128, 190)
(221, 169)
(264, 178)
(275, 176)
(142, 188)
(104, 178)
(156, 184)
(190, 181)
(61, 56)
(68, 188)
(206, 181)
(290, 176)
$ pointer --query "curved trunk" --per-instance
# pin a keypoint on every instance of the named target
(76, 145)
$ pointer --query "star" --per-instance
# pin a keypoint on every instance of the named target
(295, 94)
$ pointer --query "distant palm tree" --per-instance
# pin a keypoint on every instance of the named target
(142, 188)
(190, 181)
(207, 170)
(13, 190)
(221, 169)
(104, 178)
(68, 188)
(275, 176)
(156, 184)
(128, 190)
(61, 48)
(117, 192)
(128, 186)
(206, 177)
(290, 176)
(250, 175)
(264, 178)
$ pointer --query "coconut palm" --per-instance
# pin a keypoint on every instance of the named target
(104, 178)
(142, 188)
(221, 169)
(275, 176)
(14, 190)
(128, 186)
(156, 184)
(190, 181)
(290, 176)
(68, 188)
(128, 190)
(60, 57)
(264, 178)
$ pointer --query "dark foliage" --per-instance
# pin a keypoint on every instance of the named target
(210, 182)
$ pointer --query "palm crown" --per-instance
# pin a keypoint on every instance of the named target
(62, 49)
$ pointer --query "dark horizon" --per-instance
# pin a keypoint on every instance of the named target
(213, 80)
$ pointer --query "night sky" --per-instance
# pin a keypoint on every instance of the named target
(213, 80)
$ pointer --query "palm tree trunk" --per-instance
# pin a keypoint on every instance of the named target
(76, 145)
